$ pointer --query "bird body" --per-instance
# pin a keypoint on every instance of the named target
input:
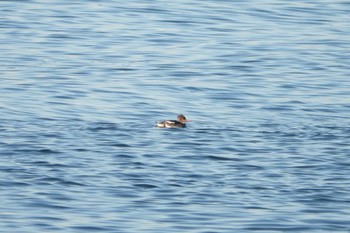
(179, 123)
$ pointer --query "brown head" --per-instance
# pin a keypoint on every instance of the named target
(182, 118)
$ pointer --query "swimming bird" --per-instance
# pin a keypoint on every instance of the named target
(179, 123)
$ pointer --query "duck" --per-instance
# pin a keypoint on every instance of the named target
(179, 123)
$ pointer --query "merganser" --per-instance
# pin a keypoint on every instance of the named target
(179, 123)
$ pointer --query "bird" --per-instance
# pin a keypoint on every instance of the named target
(179, 123)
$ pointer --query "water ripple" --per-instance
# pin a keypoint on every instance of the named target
(264, 83)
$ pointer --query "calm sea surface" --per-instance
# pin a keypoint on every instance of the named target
(266, 84)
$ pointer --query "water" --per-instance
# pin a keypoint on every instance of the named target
(265, 83)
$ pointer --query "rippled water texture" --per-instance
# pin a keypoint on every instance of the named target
(265, 83)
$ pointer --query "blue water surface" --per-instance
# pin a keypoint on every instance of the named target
(265, 83)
